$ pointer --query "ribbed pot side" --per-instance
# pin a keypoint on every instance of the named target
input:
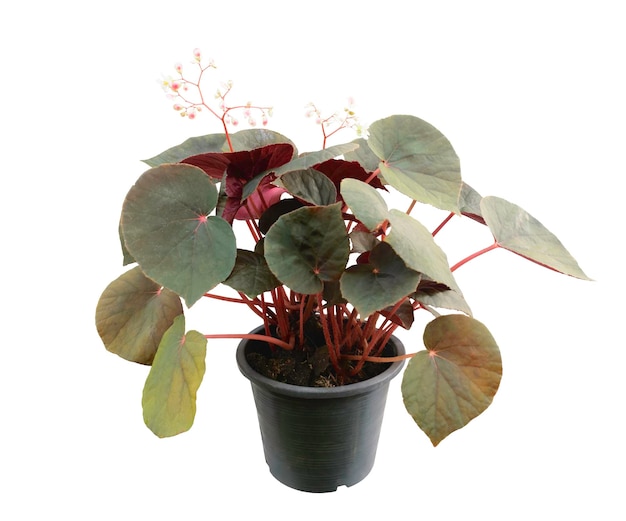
(316, 439)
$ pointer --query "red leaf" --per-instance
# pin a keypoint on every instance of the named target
(338, 169)
(240, 168)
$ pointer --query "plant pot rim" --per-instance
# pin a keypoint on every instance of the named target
(306, 392)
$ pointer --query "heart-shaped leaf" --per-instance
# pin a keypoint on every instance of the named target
(455, 380)
(516, 230)
(169, 232)
(307, 247)
(132, 315)
(418, 160)
(169, 395)
(382, 282)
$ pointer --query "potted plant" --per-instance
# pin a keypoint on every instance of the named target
(323, 248)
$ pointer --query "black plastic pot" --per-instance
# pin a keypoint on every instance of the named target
(316, 439)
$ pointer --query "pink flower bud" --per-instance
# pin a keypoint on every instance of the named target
(197, 54)
(179, 68)
(178, 107)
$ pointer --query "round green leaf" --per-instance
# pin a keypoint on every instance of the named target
(455, 380)
(308, 246)
(168, 230)
(169, 395)
(366, 203)
(516, 230)
(418, 160)
(132, 315)
(382, 282)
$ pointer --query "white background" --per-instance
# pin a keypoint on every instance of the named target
(531, 94)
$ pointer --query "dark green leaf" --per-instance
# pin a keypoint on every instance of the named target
(309, 185)
(382, 282)
(308, 246)
(271, 215)
(169, 232)
(251, 274)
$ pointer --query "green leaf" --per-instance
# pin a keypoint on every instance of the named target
(252, 138)
(127, 257)
(309, 185)
(366, 203)
(363, 155)
(251, 274)
(307, 247)
(132, 315)
(455, 380)
(516, 230)
(168, 230)
(469, 202)
(382, 282)
(438, 295)
(362, 241)
(310, 159)
(169, 395)
(417, 160)
(190, 147)
(417, 248)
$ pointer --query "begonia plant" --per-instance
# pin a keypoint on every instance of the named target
(335, 251)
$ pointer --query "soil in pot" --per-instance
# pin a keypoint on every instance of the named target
(309, 366)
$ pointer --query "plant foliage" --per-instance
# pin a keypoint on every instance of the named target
(330, 252)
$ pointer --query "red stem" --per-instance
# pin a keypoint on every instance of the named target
(250, 336)
(445, 221)
(372, 175)
(474, 255)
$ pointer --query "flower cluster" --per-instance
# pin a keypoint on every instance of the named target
(189, 98)
(337, 121)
